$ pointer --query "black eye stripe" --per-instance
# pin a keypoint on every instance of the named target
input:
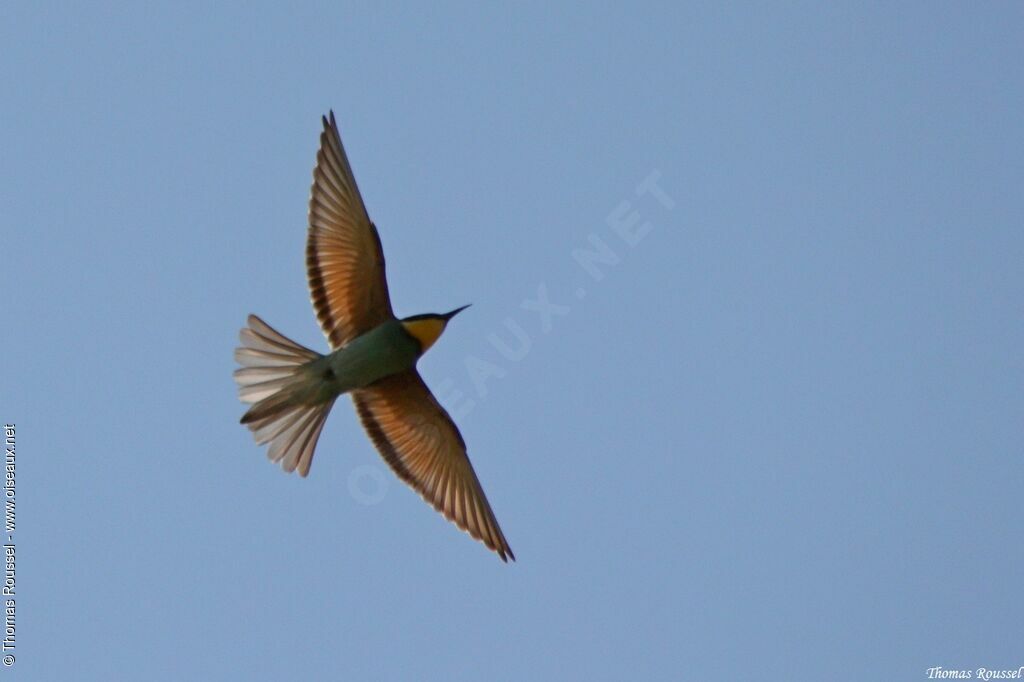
(428, 316)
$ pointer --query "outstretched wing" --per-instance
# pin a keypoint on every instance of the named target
(423, 446)
(344, 259)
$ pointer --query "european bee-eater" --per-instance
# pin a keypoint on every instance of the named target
(373, 357)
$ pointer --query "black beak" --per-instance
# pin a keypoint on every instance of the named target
(448, 316)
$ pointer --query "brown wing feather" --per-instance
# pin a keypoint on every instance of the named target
(423, 446)
(344, 259)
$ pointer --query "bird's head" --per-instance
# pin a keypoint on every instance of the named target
(428, 328)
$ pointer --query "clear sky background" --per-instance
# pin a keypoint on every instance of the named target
(780, 438)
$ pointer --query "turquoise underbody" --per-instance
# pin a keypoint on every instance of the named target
(385, 350)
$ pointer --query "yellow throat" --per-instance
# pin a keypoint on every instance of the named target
(426, 331)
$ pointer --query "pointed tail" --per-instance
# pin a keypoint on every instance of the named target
(272, 378)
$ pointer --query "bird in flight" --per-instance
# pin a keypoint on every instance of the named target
(373, 357)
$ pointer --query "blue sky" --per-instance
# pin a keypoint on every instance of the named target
(779, 436)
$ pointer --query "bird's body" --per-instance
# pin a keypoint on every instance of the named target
(389, 348)
(384, 350)
(292, 388)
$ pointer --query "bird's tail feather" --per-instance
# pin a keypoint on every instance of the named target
(272, 378)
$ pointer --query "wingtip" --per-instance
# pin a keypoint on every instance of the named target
(330, 125)
(506, 554)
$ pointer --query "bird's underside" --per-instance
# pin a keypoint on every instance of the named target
(290, 392)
